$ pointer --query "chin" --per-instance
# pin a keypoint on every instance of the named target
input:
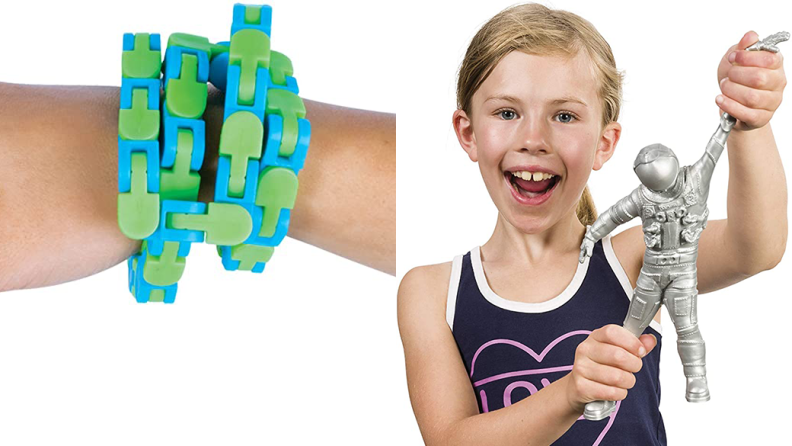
(530, 224)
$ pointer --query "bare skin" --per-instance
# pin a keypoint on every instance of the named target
(59, 190)
(544, 248)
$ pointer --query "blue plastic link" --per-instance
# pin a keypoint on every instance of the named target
(171, 125)
(152, 86)
(125, 149)
(271, 155)
(232, 104)
(232, 265)
(138, 285)
(264, 23)
(173, 63)
(251, 182)
(129, 42)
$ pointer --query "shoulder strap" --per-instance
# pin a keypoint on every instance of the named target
(453, 287)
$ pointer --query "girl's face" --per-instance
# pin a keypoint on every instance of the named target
(534, 130)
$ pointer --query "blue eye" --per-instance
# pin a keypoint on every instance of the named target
(565, 117)
(507, 115)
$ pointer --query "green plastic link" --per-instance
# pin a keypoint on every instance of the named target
(138, 210)
(280, 67)
(185, 97)
(139, 123)
(180, 183)
(252, 14)
(165, 269)
(248, 255)
(241, 138)
(291, 108)
(277, 189)
(142, 62)
(197, 43)
(135, 271)
(157, 296)
(225, 224)
(250, 49)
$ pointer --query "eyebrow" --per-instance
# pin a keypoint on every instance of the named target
(561, 100)
(566, 99)
(502, 97)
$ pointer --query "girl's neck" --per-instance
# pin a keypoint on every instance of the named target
(509, 244)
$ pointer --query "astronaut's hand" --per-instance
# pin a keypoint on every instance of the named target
(587, 247)
(751, 82)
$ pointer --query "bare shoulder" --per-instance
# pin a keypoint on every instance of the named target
(424, 288)
(628, 246)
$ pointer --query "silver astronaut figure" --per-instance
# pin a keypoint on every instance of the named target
(672, 204)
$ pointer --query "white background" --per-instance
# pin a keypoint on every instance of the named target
(306, 353)
(670, 52)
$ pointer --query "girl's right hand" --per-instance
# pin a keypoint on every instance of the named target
(605, 364)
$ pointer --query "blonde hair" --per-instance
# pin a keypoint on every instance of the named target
(536, 29)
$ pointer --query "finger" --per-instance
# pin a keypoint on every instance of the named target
(751, 97)
(606, 375)
(747, 40)
(582, 256)
(760, 59)
(649, 342)
(620, 337)
(753, 118)
(760, 78)
(610, 355)
(595, 391)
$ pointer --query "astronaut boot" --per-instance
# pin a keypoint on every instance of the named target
(697, 390)
(692, 351)
(598, 410)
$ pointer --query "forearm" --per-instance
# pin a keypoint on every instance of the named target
(757, 199)
(537, 420)
(58, 164)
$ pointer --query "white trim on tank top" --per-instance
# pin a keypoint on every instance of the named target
(527, 307)
(453, 287)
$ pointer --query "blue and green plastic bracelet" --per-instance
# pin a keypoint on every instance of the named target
(263, 144)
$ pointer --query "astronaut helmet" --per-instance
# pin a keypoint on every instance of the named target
(657, 167)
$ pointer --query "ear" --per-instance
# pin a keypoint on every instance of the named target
(463, 128)
(607, 144)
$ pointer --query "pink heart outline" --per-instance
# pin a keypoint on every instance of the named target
(539, 358)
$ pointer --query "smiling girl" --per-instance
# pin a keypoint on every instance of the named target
(538, 99)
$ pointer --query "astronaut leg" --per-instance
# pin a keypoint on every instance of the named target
(680, 298)
(646, 300)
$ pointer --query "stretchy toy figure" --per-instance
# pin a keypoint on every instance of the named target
(672, 204)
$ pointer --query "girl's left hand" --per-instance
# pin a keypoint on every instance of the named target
(752, 83)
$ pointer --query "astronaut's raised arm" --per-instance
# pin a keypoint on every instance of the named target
(705, 166)
(623, 211)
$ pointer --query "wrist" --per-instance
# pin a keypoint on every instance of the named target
(573, 404)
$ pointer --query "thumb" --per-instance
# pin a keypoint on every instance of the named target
(747, 40)
(649, 342)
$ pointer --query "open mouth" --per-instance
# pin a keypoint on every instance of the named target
(531, 187)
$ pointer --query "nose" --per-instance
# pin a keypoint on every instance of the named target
(534, 133)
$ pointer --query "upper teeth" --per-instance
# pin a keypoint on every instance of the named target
(535, 176)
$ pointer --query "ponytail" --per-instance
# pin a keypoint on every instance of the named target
(586, 211)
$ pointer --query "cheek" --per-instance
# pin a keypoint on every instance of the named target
(577, 152)
(492, 144)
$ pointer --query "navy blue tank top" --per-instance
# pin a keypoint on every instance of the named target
(513, 349)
